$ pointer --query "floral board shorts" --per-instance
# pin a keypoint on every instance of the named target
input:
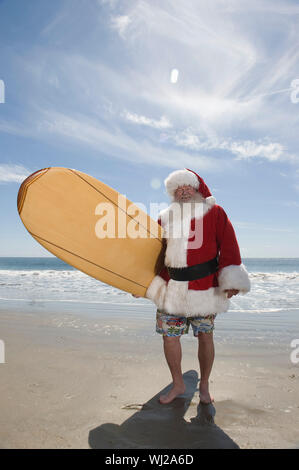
(175, 325)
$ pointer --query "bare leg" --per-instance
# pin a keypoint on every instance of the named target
(206, 354)
(173, 355)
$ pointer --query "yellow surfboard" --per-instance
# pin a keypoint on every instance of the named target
(92, 227)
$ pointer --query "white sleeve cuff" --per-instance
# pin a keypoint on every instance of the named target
(156, 291)
(234, 277)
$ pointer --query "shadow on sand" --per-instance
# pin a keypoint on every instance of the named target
(157, 426)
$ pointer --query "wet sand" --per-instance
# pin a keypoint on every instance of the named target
(81, 380)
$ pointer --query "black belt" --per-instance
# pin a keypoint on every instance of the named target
(198, 271)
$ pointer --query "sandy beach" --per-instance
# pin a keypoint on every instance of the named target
(89, 380)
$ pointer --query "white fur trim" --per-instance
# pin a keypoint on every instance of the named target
(210, 200)
(234, 277)
(179, 300)
(180, 178)
(174, 298)
(156, 291)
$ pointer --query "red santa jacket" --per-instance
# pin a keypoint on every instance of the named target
(203, 296)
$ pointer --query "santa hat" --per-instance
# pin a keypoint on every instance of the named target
(190, 178)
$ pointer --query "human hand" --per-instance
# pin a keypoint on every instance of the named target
(231, 292)
(137, 296)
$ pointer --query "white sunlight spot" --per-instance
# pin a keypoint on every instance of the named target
(155, 183)
(174, 75)
(204, 105)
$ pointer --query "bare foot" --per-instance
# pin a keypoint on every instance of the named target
(204, 395)
(172, 394)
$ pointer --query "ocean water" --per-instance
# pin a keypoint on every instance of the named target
(49, 281)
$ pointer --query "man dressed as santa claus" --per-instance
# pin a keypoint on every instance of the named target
(201, 269)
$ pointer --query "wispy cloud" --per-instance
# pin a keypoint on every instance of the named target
(291, 203)
(111, 3)
(247, 149)
(117, 143)
(120, 24)
(281, 7)
(241, 149)
(162, 123)
(10, 173)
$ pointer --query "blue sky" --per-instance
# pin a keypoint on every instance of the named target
(88, 86)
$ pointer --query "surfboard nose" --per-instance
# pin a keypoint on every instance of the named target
(25, 185)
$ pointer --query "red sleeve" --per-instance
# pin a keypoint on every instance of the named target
(226, 241)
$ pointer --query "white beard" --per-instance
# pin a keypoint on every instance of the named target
(197, 197)
(175, 221)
